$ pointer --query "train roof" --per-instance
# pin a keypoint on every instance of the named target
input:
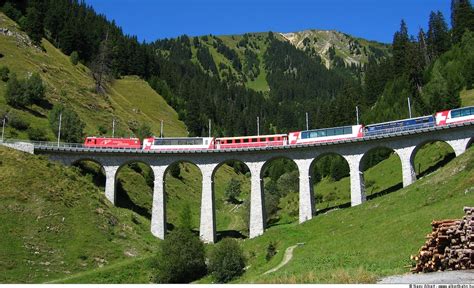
(395, 121)
(319, 129)
(119, 138)
(255, 136)
(180, 138)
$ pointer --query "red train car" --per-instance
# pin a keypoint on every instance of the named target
(103, 142)
(251, 141)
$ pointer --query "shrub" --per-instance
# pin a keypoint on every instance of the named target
(15, 121)
(232, 190)
(4, 71)
(37, 134)
(271, 251)
(74, 57)
(226, 261)
(21, 93)
(71, 125)
(144, 131)
(14, 95)
(181, 258)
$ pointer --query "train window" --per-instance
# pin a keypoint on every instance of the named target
(254, 140)
(347, 130)
(455, 114)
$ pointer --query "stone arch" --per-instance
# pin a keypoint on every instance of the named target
(182, 187)
(284, 190)
(329, 194)
(432, 158)
(237, 223)
(470, 143)
(380, 178)
(134, 190)
(97, 171)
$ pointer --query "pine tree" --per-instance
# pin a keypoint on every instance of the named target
(438, 39)
(33, 25)
(400, 44)
(462, 17)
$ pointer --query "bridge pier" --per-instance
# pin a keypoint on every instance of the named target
(459, 145)
(207, 227)
(110, 174)
(257, 207)
(158, 210)
(357, 179)
(306, 195)
(406, 157)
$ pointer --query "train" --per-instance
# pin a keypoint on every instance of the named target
(305, 137)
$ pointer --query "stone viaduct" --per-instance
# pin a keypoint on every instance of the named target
(405, 144)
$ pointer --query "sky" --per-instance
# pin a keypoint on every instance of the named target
(375, 20)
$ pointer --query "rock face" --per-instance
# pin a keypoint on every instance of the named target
(333, 46)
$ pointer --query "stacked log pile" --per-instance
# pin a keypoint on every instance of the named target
(450, 245)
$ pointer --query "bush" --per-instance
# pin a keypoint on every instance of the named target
(14, 95)
(175, 171)
(21, 93)
(74, 57)
(271, 251)
(17, 122)
(4, 71)
(181, 258)
(71, 125)
(37, 134)
(144, 131)
(232, 190)
(226, 261)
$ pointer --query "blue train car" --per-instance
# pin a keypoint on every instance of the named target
(400, 125)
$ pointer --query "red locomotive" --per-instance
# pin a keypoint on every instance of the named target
(104, 142)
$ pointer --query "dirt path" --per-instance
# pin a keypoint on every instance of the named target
(286, 258)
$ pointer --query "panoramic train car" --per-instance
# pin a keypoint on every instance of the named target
(251, 141)
(178, 143)
(325, 134)
(400, 125)
(103, 142)
(455, 115)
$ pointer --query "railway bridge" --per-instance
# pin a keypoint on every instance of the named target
(405, 144)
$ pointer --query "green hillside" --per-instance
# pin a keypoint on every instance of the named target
(130, 100)
(55, 222)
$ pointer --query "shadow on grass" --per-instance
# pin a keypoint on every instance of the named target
(123, 201)
(230, 234)
(447, 158)
(389, 190)
(98, 178)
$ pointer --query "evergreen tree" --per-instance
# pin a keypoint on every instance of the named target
(400, 45)
(438, 39)
(462, 17)
(33, 24)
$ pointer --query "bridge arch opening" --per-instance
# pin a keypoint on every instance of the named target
(382, 171)
(331, 183)
(231, 180)
(470, 143)
(429, 156)
(183, 190)
(93, 170)
(280, 176)
(134, 187)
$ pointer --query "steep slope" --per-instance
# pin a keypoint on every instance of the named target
(56, 223)
(130, 100)
(329, 44)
